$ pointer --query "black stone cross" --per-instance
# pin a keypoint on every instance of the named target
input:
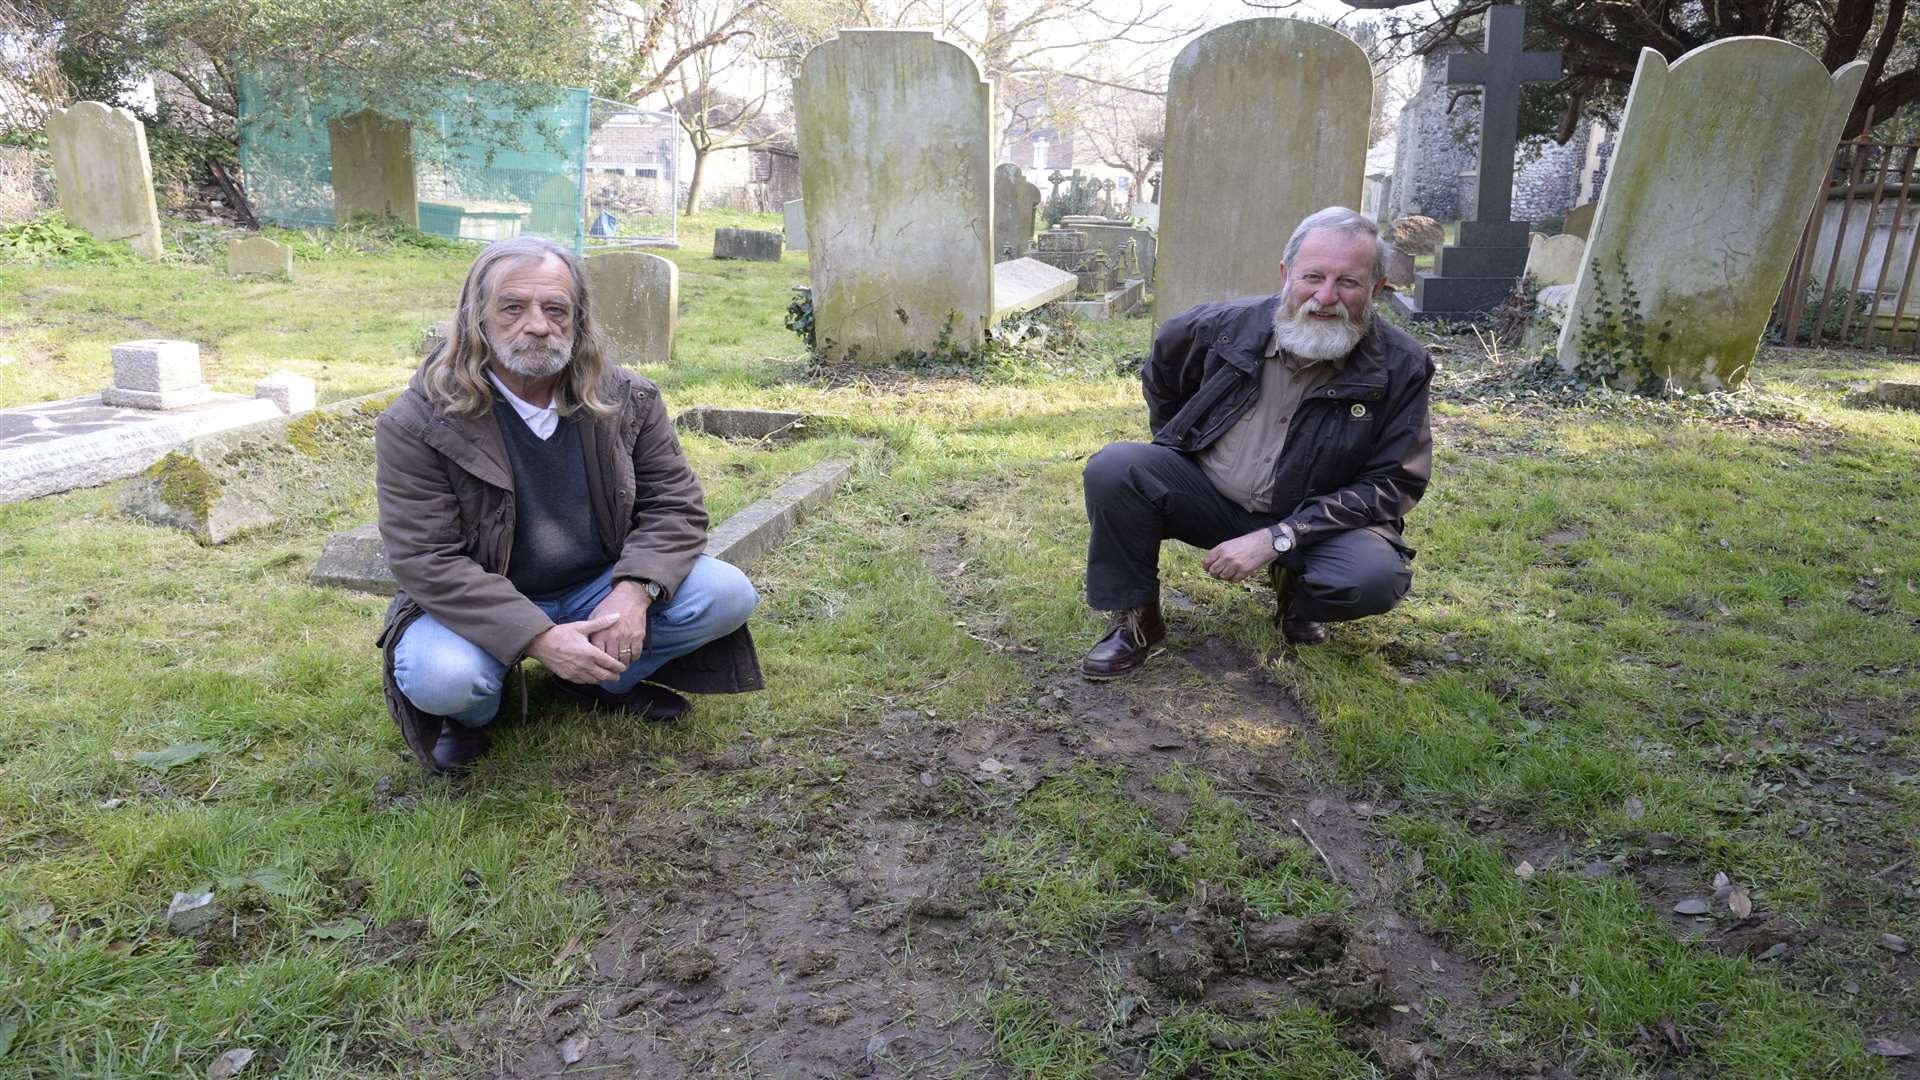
(1500, 70)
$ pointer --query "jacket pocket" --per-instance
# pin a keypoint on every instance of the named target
(1198, 408)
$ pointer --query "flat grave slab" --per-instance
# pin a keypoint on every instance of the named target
(57, 446)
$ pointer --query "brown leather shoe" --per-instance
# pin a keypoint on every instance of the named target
(1128, 644)
(458, 746)
(1295, 629)
(650, 701)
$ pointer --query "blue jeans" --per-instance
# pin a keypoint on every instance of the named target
(444, 674)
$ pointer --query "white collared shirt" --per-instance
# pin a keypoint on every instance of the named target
(542, 422)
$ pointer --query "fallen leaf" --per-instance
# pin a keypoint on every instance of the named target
(1774, 951)
(1887, 1048)
(166, 758)
(1635, 808)
(8, 1029)
(229, 1064)
(574, 1049)
(926, 779)
(1893, 943)
(1692, 906)
(875, 1045)
(27, 918)
(338, 930)
(1739, 902)
(110, 804)
(1721, 881)
(1316, 807)
(991, 766)
(1524, 870)
(1177, 849)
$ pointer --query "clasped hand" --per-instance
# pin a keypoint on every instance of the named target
(1241, 557)
(602, 646)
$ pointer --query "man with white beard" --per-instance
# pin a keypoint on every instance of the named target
(534, 502)
(1289, 434)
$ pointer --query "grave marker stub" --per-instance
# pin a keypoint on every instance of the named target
(1720, 159)
(636, 302)
(259, 255)
(794, 217)
(896, 160)
(1227, 140)
(372, 168)
(105, 178)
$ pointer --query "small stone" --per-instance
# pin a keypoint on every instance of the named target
(191, 912)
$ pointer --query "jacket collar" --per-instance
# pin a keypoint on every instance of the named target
(472, 442)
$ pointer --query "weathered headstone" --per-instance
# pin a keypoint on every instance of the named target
(1478, 271)
(1242, 171)
(636, 301)
(372, 169)
(1113, 239)
(753, 245)
(1015, 199)
(794, 215)
(1554, 260)
(758, 425)
(895, 155)
(156, 374)
(1720, 159)
(105, 178)
(555, 211)
(259, 255)
(1026, 283)
(1579, 221)
(1898, 394)
(1416, 235)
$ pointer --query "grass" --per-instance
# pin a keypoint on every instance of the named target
(1644, 646)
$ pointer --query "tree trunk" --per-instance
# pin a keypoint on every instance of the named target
(693, 185)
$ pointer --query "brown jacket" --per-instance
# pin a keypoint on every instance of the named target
(445, 489)
(1359, 452)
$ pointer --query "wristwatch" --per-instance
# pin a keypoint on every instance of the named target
(1282, 537)
(653, 588)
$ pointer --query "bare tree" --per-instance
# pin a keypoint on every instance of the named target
(1125, 128)
(30, 80)
(1600, 43)
(724, 88)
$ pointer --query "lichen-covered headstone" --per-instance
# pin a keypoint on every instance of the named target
(556, 210)
(1266, 123)
(896, 158)
(1015, 199)
(1720, 158)
(753, 245)
(1579, 221)
(105, 178)
(372, 170)
(259, 255)
(635, 299)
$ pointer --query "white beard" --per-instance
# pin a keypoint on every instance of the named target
(1318, 339)
(532, 358)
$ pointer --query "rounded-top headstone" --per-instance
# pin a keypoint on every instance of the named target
(1266, 123)
(105, 178)
(635, 300)
(896, 160)
(259, 255)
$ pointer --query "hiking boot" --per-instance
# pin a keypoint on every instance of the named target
(1297, 630)
(1128, 643)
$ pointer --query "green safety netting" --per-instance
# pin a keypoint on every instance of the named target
(490, 161)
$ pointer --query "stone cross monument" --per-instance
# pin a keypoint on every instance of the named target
(1056, 178)
(1479, 271)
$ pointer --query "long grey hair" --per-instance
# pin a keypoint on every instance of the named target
(455, 373)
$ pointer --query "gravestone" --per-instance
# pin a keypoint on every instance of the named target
(1113, 239)
(555, 211)
(1898, 394)
(895, 155)
(1721, 157)
(1478, 271)
(795, 214)
(1579, 221)
(1242, 169)
(1026, 283)
(753, 245)
(636, 302)
(156, 374)
(1554, 260)
(258, 255)
(372, 170)
(1015, 200)
(105, 178)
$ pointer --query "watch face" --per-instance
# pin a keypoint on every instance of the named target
(1282, 543)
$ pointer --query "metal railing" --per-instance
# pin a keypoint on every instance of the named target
(1852, 279)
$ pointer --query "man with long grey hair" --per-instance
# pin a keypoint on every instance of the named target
(1289, 434)
(534, 502)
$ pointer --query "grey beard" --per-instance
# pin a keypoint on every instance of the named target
(1311, 339)
(532, 358)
